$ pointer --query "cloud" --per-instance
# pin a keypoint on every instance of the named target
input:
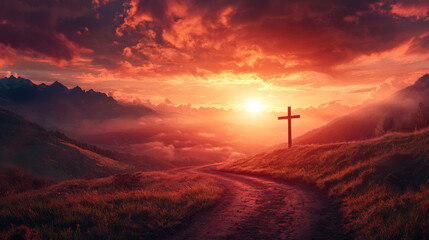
(296, 35)
(6, 56)
(31, 27)
(418, 9)
(45, 43)
(325, 112)
(156, 149)
(363, 90)
(420, 45)
(173, 38)
(171, 137)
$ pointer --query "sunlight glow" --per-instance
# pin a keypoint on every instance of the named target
(254, 106)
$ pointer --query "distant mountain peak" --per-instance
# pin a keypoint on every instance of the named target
(41, 86)
(12, 82)
(56, 83)
(58, 86)
(77, 89)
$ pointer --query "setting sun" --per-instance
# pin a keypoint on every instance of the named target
(254, 106)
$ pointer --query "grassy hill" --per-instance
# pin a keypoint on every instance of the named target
(125, 206)
(382, 184)
(28, 146)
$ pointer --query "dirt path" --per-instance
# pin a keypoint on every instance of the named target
(259, 208)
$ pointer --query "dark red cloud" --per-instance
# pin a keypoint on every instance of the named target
(313, 35)
(31, 26)
(45, 43)
(165, 38)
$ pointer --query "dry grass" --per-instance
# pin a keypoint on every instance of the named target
(382, 184)
(14, 180)
(141, 205)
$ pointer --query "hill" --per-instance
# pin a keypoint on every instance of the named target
(55, 105)
(382, 184)
(28, 146)
(405, 111)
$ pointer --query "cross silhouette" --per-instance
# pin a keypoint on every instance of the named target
(289, 118)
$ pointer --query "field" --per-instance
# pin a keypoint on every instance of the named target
(125, 206)
(381, 185)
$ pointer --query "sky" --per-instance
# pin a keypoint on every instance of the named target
(322, 57)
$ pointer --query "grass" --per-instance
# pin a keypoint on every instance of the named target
(14, 180)
(125, 206)
(382, 184)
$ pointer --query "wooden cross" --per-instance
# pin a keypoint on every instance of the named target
(289, 118)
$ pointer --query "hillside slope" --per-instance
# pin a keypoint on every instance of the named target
(404, 111)
(32, 148)
(381, 184)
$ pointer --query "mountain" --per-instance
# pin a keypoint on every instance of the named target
(28, 146)
(56, 105)
(405, 111)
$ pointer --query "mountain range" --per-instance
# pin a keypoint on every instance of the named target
(55, 104)
(405, 111)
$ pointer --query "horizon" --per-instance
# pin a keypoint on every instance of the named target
(210, 132)
(206, 55)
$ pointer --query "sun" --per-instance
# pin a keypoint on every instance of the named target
(254, 107)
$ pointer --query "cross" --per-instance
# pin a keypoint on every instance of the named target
(289, 118)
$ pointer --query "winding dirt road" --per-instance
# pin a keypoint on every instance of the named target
(260, 208)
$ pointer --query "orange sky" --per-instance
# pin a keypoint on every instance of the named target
(221, 54)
